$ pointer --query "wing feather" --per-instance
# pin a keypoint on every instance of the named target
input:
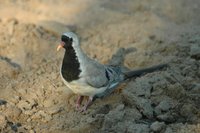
(104, 76)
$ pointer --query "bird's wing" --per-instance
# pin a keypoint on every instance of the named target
(96, 76)
(104, 76)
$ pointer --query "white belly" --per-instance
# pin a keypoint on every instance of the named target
(83, 89)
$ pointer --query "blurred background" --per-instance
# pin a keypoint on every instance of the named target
(133, 33)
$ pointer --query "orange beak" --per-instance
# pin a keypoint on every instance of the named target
(61, 45)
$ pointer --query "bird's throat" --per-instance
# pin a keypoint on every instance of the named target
(70, 69)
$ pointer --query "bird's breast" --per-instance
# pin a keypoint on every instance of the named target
(70, 69)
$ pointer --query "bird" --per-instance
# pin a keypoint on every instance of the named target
(87, 77)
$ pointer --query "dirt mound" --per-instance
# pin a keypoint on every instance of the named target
(143, 33)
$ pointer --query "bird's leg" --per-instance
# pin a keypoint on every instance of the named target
(79, 101)
(87, 104)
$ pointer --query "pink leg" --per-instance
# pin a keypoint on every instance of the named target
(78, 102)
(88, 103)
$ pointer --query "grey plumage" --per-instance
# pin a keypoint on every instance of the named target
(94, 79)
(139, 72)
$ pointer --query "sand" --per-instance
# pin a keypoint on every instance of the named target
(135, 34)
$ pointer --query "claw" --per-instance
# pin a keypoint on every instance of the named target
(83, 109)
(88, 103)
(78, 106)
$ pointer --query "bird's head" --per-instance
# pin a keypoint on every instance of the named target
(68, 40)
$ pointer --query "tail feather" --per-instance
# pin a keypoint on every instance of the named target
(139, 72)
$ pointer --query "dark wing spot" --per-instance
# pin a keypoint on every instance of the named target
(110, 70)
(107, 75)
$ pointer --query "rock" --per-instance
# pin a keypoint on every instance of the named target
(132, 114)
(53, 110)
(3, 121)
(12, 111)
(195, 88)
(91, 120)
(168, 130)
(22, 91)
(175, 91)
(167, 117)
(53, 75)
(15, 126)
(30, 112)
(32, 103)
(138, 128)
(42, 115)
(2, 102)
(24, 105)
(119, 127)
(48, 103)
(28, 120)
(114, 116)
(144, 105)
(140, 87)
(46, 118)
(157, 111)
(103, 109)
(157, 126)
(188, 110)
(122, 120)
(120, 107)
(37, 115)
(195, 51)
(127, 127)
(15, 99)
(11, 23)
(32, 131)
(22, 129)
(164, 105)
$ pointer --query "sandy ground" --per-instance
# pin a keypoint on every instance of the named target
(132, 33)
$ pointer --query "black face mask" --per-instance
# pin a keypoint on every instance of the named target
(67, 42)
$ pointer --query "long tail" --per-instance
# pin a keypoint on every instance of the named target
(136, 73)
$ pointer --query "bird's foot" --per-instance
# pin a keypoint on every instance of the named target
(78, 107)
(83, 109)
(78, 102)
(88, 103)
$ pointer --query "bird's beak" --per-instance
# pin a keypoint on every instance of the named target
(61, 45)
